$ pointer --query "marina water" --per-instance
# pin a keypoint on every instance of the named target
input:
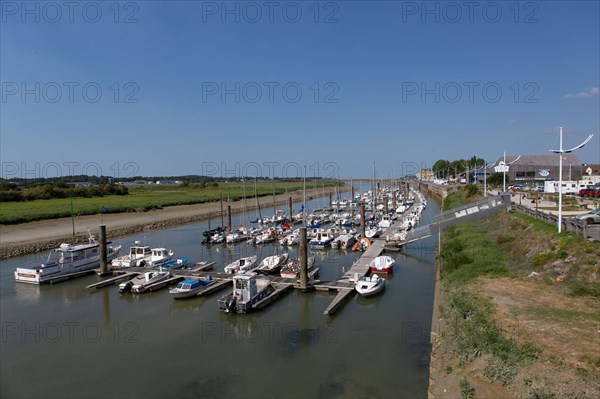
(66, 341)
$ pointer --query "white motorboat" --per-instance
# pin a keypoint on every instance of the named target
(343, 241)
(140, 283)
(385, 222)
(367, 286)
(241, 265)
(373, 232)
(143, 255)
(382, 264)
(272, 264)
(248, 289)
(322, 239)
(64, 262)
(189, 288)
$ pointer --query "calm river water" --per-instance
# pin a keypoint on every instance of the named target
(64, 341)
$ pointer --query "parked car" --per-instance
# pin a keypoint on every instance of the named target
(590, 217)
(591, 191)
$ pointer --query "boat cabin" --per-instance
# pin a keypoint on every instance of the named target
(244, 287)
(159, 254)
(188, 284)
(136, 252)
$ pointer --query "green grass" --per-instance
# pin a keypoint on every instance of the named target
(144, 198)
(467, 253)
(453, 200)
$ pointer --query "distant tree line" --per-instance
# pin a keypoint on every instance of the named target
(445, 169)
(101, 180)
(12, 192)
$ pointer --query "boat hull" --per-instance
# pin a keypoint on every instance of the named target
(389, 269)
(177, 294)
(61, 271)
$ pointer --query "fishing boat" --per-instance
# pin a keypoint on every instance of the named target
(143, 255)
(140, 283)
(292, 268)
(248, 289)
(64, 262)
(241, 265)
(272, 264)
(322, 239)
(382, 264)
(367, 286)
(189, 288)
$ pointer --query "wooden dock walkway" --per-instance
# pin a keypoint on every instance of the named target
(342, 295)
(112, 280)
(280, 288)
(345, 285)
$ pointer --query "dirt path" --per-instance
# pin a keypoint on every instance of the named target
(30, 237)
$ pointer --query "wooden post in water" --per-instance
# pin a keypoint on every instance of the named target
(303, 259)
(229, 226)
(362, 220)
(222, 213)
(103, 261)
(330, 201)
(291, 210)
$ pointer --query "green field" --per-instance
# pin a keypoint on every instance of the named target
(144, 198)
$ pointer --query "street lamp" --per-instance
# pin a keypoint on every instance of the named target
(503, 167)
(485, 166)
(561, 152)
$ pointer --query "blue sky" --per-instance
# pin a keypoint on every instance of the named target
(189, 87)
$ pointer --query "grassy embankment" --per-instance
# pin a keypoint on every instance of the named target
(536, 334)
(144, 198)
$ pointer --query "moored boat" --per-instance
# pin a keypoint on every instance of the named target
(140, 283)
(248, 289)
(362, 245)
(65, 261)
(189, 288)
(343, 241)
(241, 265)
(382, 264)
(179, 263)
(367, 286)
(143, 255)
(292, 268)
(272, 264)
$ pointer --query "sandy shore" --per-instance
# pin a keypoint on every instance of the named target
(36, 236)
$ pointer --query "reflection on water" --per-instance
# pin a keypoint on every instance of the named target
(150, 345)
